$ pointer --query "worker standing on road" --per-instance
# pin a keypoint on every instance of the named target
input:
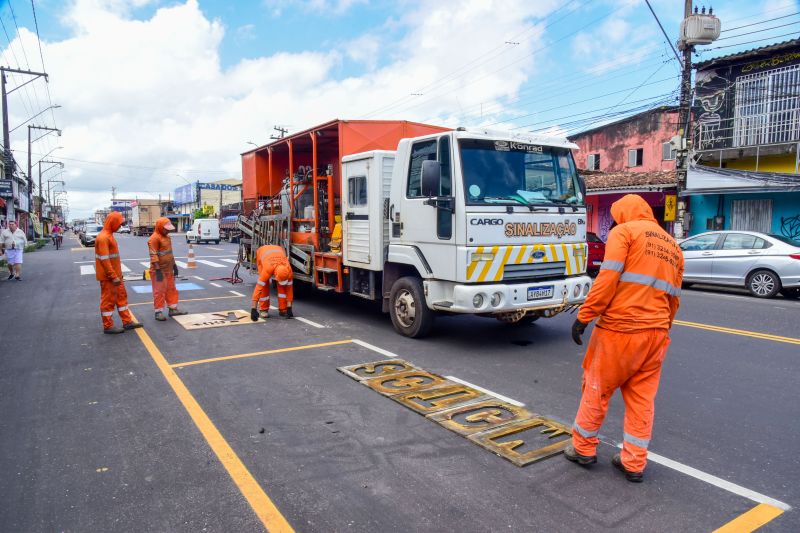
(163, 270)
(108, 268)
(635, 297)
(271, 260)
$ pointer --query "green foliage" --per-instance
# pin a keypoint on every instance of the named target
(30, 248)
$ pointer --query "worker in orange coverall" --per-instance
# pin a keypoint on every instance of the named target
(634, 298)
(108, 269)
(272, 261)
(163, 270)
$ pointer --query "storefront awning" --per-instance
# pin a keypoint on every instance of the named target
(710, 180)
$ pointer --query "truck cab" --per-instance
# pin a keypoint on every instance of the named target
(474, 222)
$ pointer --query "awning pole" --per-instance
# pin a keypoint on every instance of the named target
(796, 157)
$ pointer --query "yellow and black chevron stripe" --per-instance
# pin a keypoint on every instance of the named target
(574, 255)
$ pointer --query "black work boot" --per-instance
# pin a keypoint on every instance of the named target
(287, 314)
(132, 325)
(113, 330)
(584, 460)
(160, 316)
(633, 477)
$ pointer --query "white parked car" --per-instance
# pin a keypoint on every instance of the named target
(124, 229)
(204, 230)
(763, 264)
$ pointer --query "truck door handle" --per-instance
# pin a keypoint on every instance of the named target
(352, 216)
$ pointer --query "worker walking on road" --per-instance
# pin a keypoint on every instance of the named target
(635, 298)
(272, 261)
(163, 270)
(108, 268)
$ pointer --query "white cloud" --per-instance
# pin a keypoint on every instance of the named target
(336, 7)
(152, 93)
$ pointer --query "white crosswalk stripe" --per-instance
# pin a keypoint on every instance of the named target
(232, 261)
(180, 264)
(145, 263)
(87, 270)
(209, 263)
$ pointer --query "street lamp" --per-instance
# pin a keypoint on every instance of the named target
(56, 106)
(251, 142)
(50, 152)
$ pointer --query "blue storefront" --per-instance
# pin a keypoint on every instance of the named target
(743, 200)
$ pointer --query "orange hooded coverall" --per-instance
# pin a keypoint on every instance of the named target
(271, 260)
(161, 259)
(108, 269)
(635, 296)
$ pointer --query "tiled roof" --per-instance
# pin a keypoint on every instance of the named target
(603, 181)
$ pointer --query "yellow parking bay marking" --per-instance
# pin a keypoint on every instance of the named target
(257, 354)
(188, 300)
(752, 519)
(745, 333)
(270, 516)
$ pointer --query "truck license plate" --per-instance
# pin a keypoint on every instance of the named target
(538, 293)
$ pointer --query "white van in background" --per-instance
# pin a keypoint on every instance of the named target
(204, 230)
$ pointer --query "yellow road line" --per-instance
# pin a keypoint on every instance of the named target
(745, 333)
(256, 354)
(751, 520)
(270, 516)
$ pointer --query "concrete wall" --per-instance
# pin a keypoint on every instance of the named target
(612, 142)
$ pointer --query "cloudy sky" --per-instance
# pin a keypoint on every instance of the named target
(155, 93)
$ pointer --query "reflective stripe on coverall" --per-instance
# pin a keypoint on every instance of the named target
(636, 296)
(268, 259)
(108, 266)
(161, 258)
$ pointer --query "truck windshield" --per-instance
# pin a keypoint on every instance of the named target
(506, 172)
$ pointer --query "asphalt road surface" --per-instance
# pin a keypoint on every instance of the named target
(162, 430)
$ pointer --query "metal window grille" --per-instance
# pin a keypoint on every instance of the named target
(767, 107)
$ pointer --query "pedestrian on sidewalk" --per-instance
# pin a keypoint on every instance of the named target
(163, 270)
(635, 298)
(13, 244)
(108, 268)
(271, 260)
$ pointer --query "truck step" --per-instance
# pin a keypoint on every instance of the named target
(325, 269)
(446, 305)
(326, 288)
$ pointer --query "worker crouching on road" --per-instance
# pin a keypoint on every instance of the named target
(272, 261)
(108, 268)
(635, 298)
(163, 270)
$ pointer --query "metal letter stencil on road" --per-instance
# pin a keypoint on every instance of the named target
(494, 424)
(220, 319)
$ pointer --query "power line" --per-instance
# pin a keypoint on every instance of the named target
(41, 56)
(759, 31)
(761, 22)
(24, 53)
(751, 42)
(502, 48)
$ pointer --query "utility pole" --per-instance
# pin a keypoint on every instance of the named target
(113, 193)
(684, 118)
(4, 96)
(281, 132)
(30, 143)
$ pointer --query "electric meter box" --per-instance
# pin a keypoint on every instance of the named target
(700, 29)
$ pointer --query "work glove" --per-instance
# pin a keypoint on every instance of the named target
(159, 275)
(175, 270)
(253, 314)
(577, 330)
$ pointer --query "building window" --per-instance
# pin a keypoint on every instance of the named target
(667, 151)
(635, 157)
(593, 162)
(766, 107)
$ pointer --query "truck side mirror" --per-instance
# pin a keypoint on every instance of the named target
(582, 185)
(431, 178)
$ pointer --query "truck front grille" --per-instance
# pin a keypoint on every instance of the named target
(517, 273)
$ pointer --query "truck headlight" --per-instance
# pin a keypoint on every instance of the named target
(576, 291)
(477, 300)
(586, 289)
(482, 256)
(496, 299)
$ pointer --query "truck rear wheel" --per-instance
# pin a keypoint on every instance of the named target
(410, 315)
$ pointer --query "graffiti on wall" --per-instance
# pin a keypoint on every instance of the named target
(604, 220)
(711, 90)
(790, 227)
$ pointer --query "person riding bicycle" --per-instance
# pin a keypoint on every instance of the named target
(57, 234)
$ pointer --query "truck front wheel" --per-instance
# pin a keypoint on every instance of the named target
(410, 315)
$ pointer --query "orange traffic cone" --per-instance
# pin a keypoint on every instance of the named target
(190, 262)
